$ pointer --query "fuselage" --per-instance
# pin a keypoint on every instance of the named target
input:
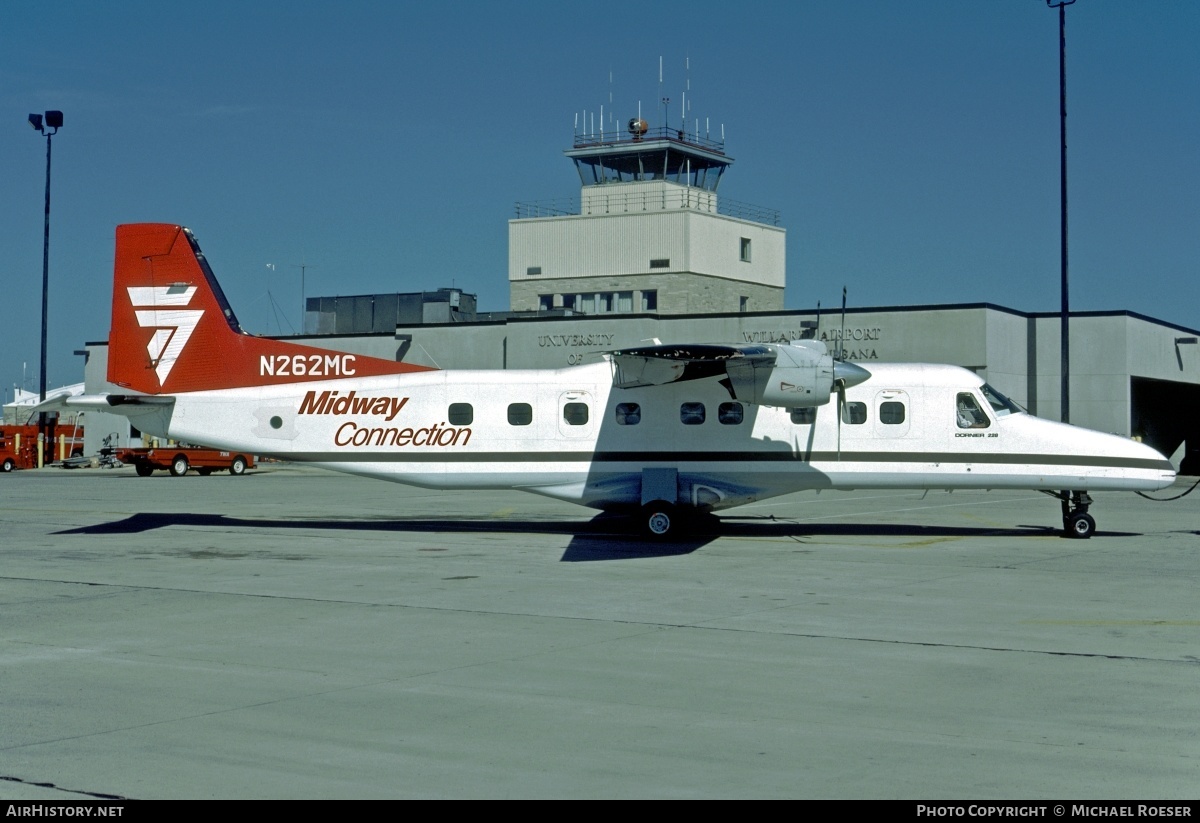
(570, 434)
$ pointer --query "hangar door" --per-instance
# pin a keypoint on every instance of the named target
(1165, 415)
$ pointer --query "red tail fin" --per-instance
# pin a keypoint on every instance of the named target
(173, 331)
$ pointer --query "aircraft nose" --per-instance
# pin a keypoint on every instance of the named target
(849, 374)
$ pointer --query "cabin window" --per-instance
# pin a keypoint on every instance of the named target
(968, 414)
(520, 414)
(891, 413)
(805, 416)
(460, 414)
(854, 414)
(729, 414)
(691, 414)
(628, 414)
(576, 414)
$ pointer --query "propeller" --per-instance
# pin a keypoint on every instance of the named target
(844, 374)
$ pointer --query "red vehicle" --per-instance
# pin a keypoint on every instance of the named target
(19, 446)
(179, 459)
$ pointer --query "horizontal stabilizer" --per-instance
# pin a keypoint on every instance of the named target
(105, 402)
(55, 402)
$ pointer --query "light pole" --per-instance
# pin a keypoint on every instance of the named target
(53, 121)
(1065, 345)
(303, 308)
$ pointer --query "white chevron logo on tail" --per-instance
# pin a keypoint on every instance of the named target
(173, 326)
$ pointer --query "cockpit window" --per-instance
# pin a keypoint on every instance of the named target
(1000, 404)
(968, 413)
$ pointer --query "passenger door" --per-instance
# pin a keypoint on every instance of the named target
(893, 413)
(576, 414)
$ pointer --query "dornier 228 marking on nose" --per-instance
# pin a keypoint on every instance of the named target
(173, 325)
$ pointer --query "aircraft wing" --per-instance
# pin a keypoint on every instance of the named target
(662, 364)
(797, 374)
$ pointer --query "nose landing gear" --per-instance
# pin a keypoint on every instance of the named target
(1077, 523)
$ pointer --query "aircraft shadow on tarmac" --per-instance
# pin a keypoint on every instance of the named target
(603, 537)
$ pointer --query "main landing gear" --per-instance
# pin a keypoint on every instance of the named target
(665, 522)
(660, 520)
(1077, 522)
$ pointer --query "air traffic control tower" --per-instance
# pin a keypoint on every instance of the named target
(647, 235)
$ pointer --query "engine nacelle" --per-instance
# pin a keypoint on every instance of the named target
(797, 386)
(803, 374)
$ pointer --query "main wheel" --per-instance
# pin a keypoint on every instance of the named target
(238, 466)
(143, 470)
(1080, 525)
(179, 465)
(8, 465)
(660, 519)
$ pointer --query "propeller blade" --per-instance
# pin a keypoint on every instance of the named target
(845, 374)
(842, 335)
(841, 405)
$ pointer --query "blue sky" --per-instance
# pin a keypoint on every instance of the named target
(910, 147)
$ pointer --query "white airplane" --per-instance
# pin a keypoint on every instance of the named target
(664, 431)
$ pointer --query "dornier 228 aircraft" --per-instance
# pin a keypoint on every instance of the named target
(663, 431)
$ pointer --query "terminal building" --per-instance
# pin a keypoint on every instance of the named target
(650, 252)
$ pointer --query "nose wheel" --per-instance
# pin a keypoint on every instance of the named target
(1077, 523)
(1080, 524)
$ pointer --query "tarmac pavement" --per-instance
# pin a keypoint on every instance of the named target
(299, 634)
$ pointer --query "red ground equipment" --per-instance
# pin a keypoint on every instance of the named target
(19, 445)
(178, 460)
